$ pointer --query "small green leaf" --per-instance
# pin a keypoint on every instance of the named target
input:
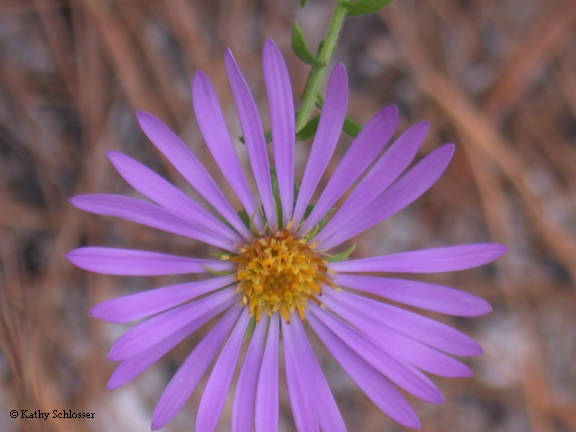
(319, 225)
(351, 127)
(300, 46)
(276, 192)
(247, 219)
(244, 216)
(364, 7)
(223, 255)
(303, 3)
(344, 255)
(250, 329)
(309, 209)
(267, 135)
(309, 130)
(217, 272)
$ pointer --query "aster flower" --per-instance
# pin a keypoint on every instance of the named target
(277, 279)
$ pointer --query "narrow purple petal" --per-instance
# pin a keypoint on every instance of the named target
(425, 330)
(129, 262)
(329, 130)
(362, 152)
(148, 214)
(267, 398)
(154, 330)
(400, 374)
(402, 347)
(253, 136)
(375, 385)
(245, 398)
(134, 366)
(143, 304)
(424, 295)
(164, 193)
(384, 172)
(215, 131)
(327, 409)
(298, 376)
(436, 260)
(403, 193)
(281, 105)
(184, 382)
(216, 390)
(187, 164)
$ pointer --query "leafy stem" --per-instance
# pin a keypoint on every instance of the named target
(318, 71)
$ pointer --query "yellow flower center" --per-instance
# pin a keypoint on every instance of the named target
(279, 273)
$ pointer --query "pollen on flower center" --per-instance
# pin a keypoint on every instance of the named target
(279, 273)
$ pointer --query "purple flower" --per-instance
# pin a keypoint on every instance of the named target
(276, 271)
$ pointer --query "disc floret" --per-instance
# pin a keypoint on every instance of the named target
(280, 273)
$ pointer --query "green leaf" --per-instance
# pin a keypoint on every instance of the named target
(247, 219)
(300, 46)
(303, 2)
(364, 7)
(319, 225)
(217, 272)
(276, 192)
(244, 216)
(223, 255)
(267, 135)
(309, 130)
(351, 127)
(344, 255)
(250, 329)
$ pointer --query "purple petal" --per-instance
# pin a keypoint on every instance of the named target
(184, 382)
(425, 330)
(384, 172)
(420, 294)
(327, 410)
(134, 366)
(154, 330)
(164, 193)
(403, 193)
(148, 214)
(362, 152)
(434, 260)
(216, 390)
(187, 164)
(400, 374)
(402, 347)
(215, 131)
(129, 262)
(141, 305)
(253, 136)
(375, 385)
(245, 398)
(299, 375)
(266, 418)
(281, 105)
(329, 130)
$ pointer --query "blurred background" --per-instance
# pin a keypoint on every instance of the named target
(496, 77)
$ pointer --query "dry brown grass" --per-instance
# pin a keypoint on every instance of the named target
(496, 77)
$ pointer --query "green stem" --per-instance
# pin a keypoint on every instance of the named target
(318, 71)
